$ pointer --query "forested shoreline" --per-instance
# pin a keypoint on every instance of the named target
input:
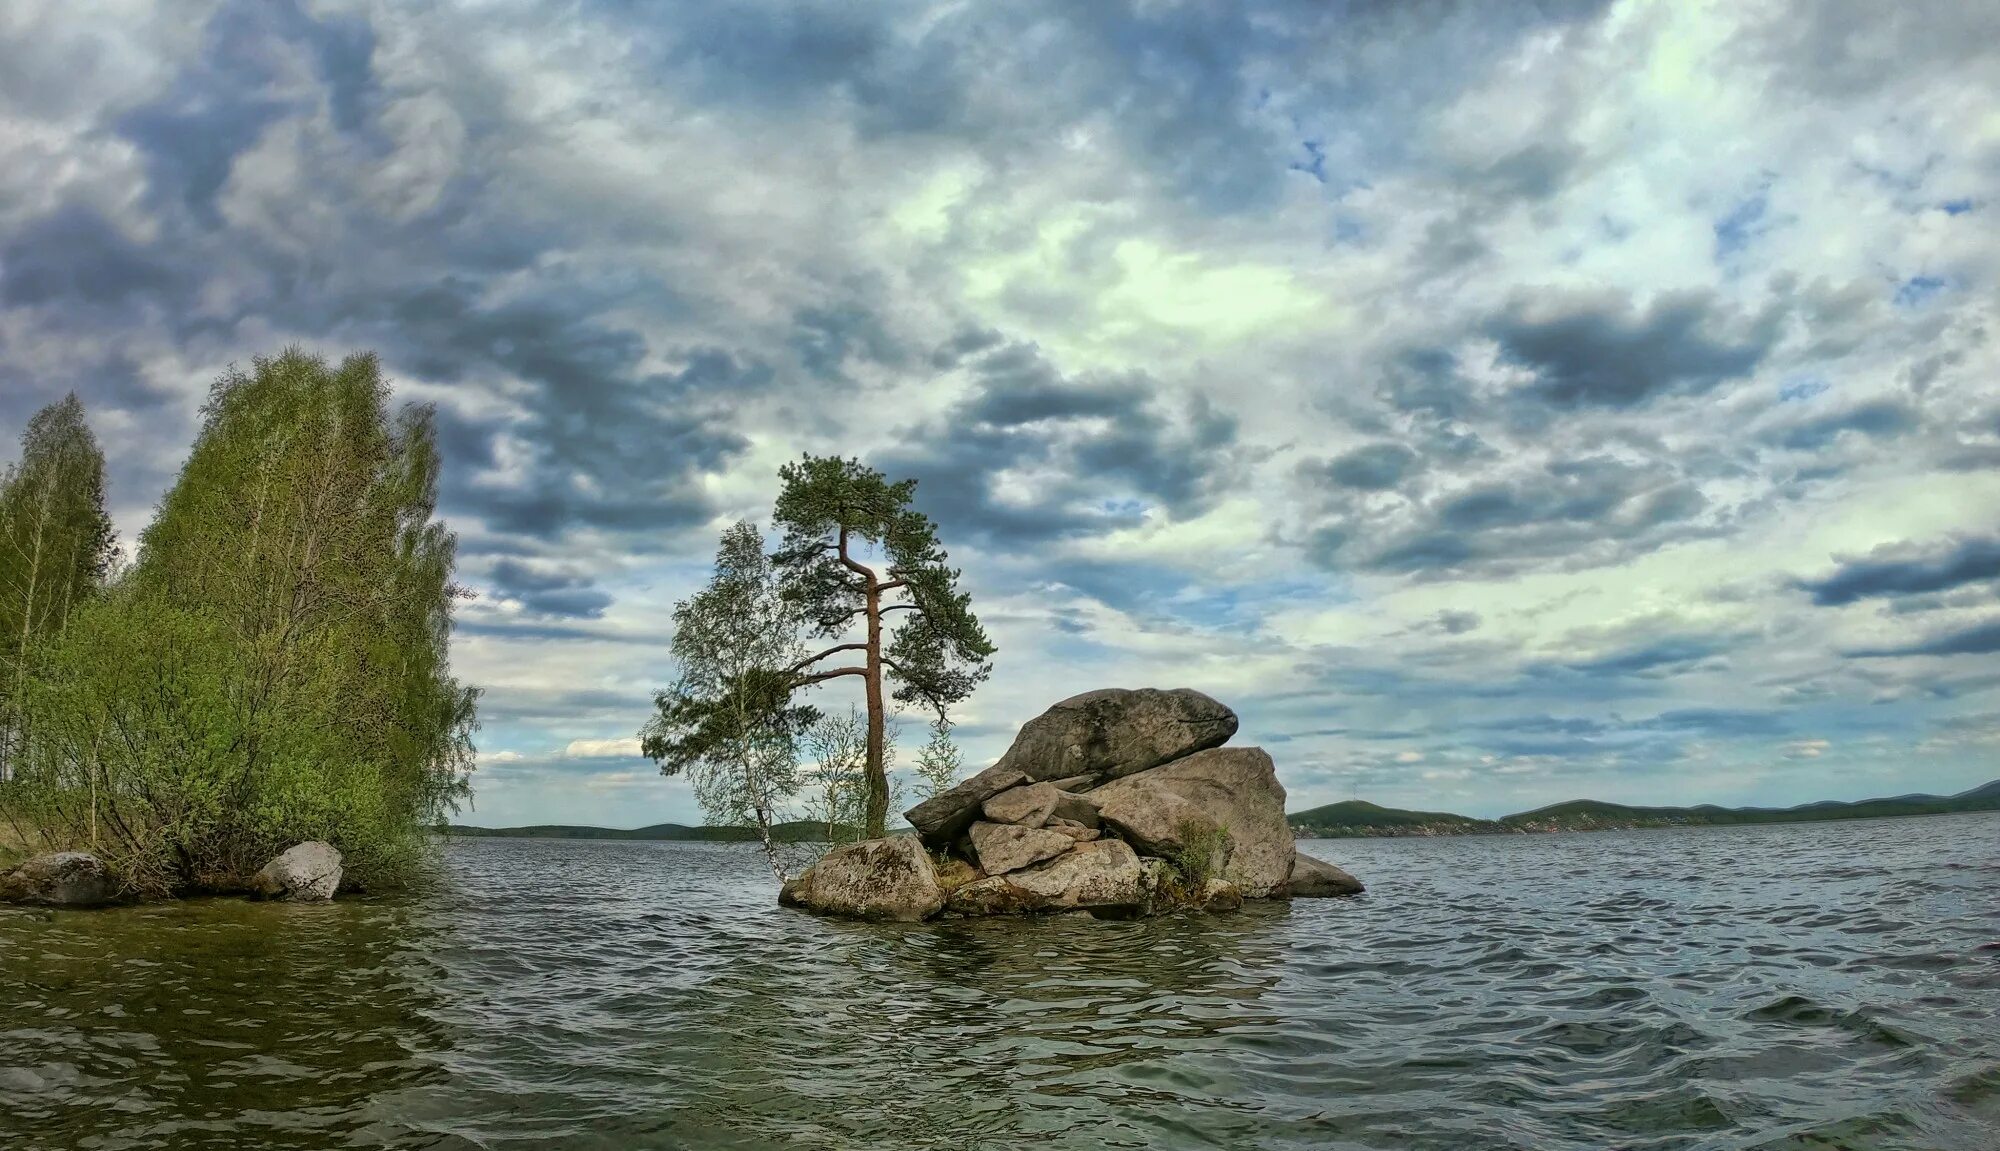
(271, 666)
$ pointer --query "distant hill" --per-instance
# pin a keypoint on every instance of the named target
(801, 831)
(1358, 818)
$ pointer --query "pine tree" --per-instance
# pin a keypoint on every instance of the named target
(830, 509)
(56, 548)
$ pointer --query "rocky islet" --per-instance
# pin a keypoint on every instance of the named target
(1115, 802)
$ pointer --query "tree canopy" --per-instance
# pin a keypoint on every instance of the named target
(835, 514)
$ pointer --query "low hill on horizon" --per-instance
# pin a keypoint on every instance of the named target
(1360, 818)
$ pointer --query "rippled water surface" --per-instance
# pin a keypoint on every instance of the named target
(1831, 985)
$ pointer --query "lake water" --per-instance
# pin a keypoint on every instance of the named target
(1810, 986)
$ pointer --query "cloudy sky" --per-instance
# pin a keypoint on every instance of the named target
(1496, 404)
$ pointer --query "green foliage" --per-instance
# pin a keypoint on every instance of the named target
(1198, 859)
(939, 760)
(728, 722)
(56, 548)
(833, 513)
(274, 667)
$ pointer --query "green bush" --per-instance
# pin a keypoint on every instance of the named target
(273, 668)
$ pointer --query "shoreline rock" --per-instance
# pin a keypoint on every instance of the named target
(59, 879)
(308, 872)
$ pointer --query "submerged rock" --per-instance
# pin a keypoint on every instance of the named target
(1238, 788)
(1102, 875)
(888, 878)
(1316, 879)
(307, 872)
(59, 879)
(1002, 847)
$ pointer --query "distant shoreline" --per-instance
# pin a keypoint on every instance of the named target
(1359, 819)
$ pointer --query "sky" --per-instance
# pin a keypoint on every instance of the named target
(1494, 404)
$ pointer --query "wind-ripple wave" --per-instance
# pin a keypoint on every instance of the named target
(1823, 986)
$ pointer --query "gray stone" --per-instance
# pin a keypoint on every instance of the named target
(1221, 895)
(306, 872)
(1099, 876)
(1028, 806)
(888, 878)
(1158, 822)
(1114, 732)
(1103, 873)
(59, 879)
(1316, 879)
(1005, 847)
(941, 818)
(1238, 788)
(1073, 829)
(1075, 808)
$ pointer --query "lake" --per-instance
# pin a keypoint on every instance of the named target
(1804, 986)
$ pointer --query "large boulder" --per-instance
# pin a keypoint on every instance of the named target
(1316, 879)
(1113, 732)
(1028, 806)
(1005, 847)
(1101, 875)
(307, 872)
(59, 879)
(941, 818)
(1159, 822)
(1098, 735)
(875, 879)
(1236, 787)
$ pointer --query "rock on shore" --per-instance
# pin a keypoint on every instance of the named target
(308, 872)
(59, 879)
(1113, 802)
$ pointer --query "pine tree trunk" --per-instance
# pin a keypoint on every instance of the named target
(878, 776)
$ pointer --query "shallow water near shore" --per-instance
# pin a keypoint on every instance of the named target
(1801, 986)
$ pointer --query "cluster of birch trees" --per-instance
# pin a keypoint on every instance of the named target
(272, 665)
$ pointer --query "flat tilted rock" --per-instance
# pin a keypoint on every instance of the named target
(1238, 788)
(58, 879)
(941, 818)
(308, 872)
(1099, 735)
(888, 878)
(1005, 847)
(1028, 806)
(1315, 879)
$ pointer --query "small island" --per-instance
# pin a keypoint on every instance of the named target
(1116, 803)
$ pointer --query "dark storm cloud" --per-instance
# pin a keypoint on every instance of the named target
(1601, 351)
(1589, 510)
(1094, 452)
(1876, 419)
(77, 258)
(1376, 467)
(549, 593)
(1654, 659)
(231, 92)
(1897, 571)
(1981, 638)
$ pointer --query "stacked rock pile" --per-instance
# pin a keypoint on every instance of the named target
(1113, 802)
